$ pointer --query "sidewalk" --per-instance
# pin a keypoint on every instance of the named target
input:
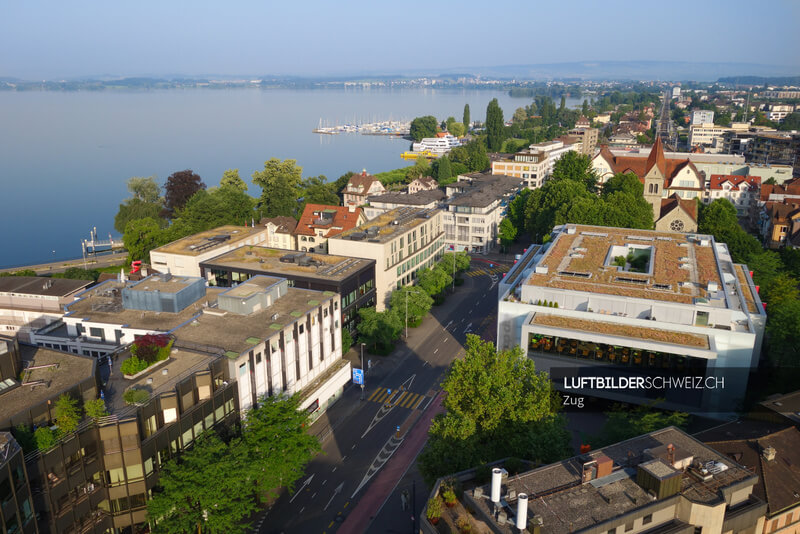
(383, 485)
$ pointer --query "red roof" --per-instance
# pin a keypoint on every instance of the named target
(362, 181)
(791, 189)
(333, 219)
(673, 201)
(735, 180)
(641, 166)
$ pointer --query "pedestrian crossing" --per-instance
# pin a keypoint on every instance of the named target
(406, 399)
(493, 271)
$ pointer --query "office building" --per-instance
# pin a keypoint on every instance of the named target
(702, 116)
(535, 163)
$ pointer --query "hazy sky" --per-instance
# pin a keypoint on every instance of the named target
(52, 39)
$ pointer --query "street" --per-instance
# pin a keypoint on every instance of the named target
(360, 437)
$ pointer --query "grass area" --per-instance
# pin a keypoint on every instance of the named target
(393, 176)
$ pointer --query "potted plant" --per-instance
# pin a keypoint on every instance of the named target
(449, 497)
(434, 511)
(463, 524)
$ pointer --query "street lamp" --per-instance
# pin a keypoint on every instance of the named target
(454, 267)
(363, 373)
(406, 316)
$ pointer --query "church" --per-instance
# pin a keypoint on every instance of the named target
(670, 185)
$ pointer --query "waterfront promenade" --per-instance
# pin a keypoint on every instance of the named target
(106, 260)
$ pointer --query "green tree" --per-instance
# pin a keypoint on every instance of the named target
(25, 437)
(275, 448)
(67, 414)
(211, 209)
(516, 210)
(575, 166)
(625, 422)
(230, 178)
(444, 172)
(180, 187)
(24, 272)
(144, 189)
(585, 108)
(420, 168)
(456, 128)
(133, 209)
(462, 260)
(791, 122)
(520, 115)
(507, 232)
(45, 438)
(626, 183)
(185, 501)
(316, 190)
(141, 236)
(495, 126)
(771, 181)
(783, 332)
(497, 405)
(379, 330)
(471, 155)
(280, 183)
(347, 340)
(412, 299)
(422, 127)
(548, 205)
(466, 120)
(433, 281)
(95, 408)
(78, 273)
(342, 181)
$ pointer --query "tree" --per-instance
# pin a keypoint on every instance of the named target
(466, 121)
(783, 333)
(230, 178)
(141, 236)
(462, 260)
(444, 172)
(45, 438)
(185, 500)
(625, 422)
(422, 127)
(585, 108)
(771, 181)
(791, 122)
(280, 184)
(213, 208)
(420, 168)
(520, 115)
(495, 126)
(433, 281)
(411, 298)
(67, 414)
(625, 183)
(575, 166)
(133, 209)
(497, 405)
(548, 205)
(316, 190)
(457, 129)
(180, 187)
(379, 329)
(516, 210)
(144, 189)
(95, 408)
(342, 181)
(507, 232)
(275, 447)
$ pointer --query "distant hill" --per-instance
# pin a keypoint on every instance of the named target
(760, 80)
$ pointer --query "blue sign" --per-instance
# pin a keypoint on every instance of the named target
(358, 377)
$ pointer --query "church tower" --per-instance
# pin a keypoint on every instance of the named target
(655, 175)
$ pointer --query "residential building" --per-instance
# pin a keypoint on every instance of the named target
(772, 458)
(683, 306)
(475, 206)
(781, 409)
(319, 222)
(401, 242)
(352, 278)
(28, 303)
(676, 92)
(423, 183)
(711, 136)
(359, 187)
(780, 224)
(775, 148)
(183, 257)
(623, 140)
(789, 191)
(663, 481)
(603, 118)
(535, 163)
(280, 232)
(782, 93)
(778, 112)
(738, 141)
(16, 510)
(742, 191)
(702, 116)
(587, 138)
(388, 201)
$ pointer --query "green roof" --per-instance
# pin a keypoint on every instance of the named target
(253, 340)
(276, 326)
(313, 302)
(232, 355)
(328, 293)
(296, 314)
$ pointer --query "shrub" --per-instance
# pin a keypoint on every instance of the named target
(45, 438)
(133, 365)
(482, 474)
(95, 408)
(136, 396)
(347, 340)
(67, 413)
(152, 347)
(434, 508)
(463, 524)
(513, 465)
(24, 436)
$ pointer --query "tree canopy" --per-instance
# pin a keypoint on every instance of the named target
(411, 298)
(141, 236)
(466, 118)
(422, 127)
(317, 190)
(145, 201)
(495, 126)
(230, 178)
(280, 183)
(378, 330)
(212, 208)
(575, 166)
(144, 189)
(625, 422)
(180, 187)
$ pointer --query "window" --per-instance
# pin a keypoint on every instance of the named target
(628, 526)
(647, 519)
(115, 476)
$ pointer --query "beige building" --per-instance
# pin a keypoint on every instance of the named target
(535, 163)
(183, 257)
(359, 187)
(280, 232)
(423, 183)
(401, 242)
(711, 136)
(28, 303)
(588, 139)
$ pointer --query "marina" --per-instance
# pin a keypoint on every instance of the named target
(391, 127)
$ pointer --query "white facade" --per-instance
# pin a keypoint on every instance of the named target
(711, 136)
(276, 238)
(534, 164)
(437, 145)
(702, 116)
(778, 112)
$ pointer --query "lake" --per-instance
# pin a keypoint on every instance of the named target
(65, 157)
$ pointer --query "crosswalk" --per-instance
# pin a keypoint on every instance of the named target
(495, 270)
(406, 399)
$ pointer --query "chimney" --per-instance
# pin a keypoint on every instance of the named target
(497, 478)
(522, 511)
(351, 208)
(769, 453)
(671, 454)
(363, 172)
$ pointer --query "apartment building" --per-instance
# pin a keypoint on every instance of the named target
(359, 187)
(779, 224)
(535, 163)
(423, 183)
(742, 191)
(16, 503)
(319, 222)
(711, 136)
(401, 242)
(778, 112)
(664, 481)
(476, 205)
(587, 137)
(183, 257)
(781, 148)
(28, 303)
(783, 94)
(702, 116)
(352, 278)
(280, 232)
(379, 204)
(641, 301)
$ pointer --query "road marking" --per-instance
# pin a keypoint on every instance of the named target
(467, 328)
(380, 460)
(347, 504)
(422, 397)
(306, 483)
(435, 350)
(324, 481)
(301, 509)
(371, 397)
(343, 457)
(353, 447)
(315, 494)
(329, 526)
(389, 405)
(448, 325)
(334, 468)
(445, 340)
(336, 492)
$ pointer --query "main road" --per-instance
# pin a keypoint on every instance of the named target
(359, 437)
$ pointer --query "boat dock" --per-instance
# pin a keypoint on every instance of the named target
(390, 128)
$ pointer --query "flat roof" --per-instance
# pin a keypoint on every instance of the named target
(57, 372)
(41, 285)
(237, 333)
(407, 219)
(102, 304)
(163, 283)
(204, 242)
(681, 265)
(420, 198)
(269, 260)
(485, 190)
(557, 494)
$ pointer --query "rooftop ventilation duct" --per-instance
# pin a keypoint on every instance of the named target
(769, 453)
(497, 478)
(522, 511)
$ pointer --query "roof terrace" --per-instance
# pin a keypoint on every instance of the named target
(390, 225)
(204, 242)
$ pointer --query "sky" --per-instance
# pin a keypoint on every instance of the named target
(48, 39)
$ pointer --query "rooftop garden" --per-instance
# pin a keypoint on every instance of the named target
(748, 295)
(622, 330)
(146, 351)
(706, 265)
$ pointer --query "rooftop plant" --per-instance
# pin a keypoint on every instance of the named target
(135, 396)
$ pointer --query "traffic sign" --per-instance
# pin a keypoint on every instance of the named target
(358, 376)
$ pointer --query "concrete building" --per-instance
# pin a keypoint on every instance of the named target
(676, 92)
(401, 242)
(319, 222)
(183, 257)
(359, 187)
(782, 148)
(352, 278)
(535, 163)
(712, 137)
(661, 482)
(16, 502)
(587, 137)
(635, 301)
(28, 303)
(781, 93)
(778, 112)
(476, 205)
(280, 232)
(702, 116)
(380, 204)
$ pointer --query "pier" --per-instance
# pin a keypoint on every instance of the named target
(390, 128)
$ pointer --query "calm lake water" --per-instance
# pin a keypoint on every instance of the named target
(65, 157)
